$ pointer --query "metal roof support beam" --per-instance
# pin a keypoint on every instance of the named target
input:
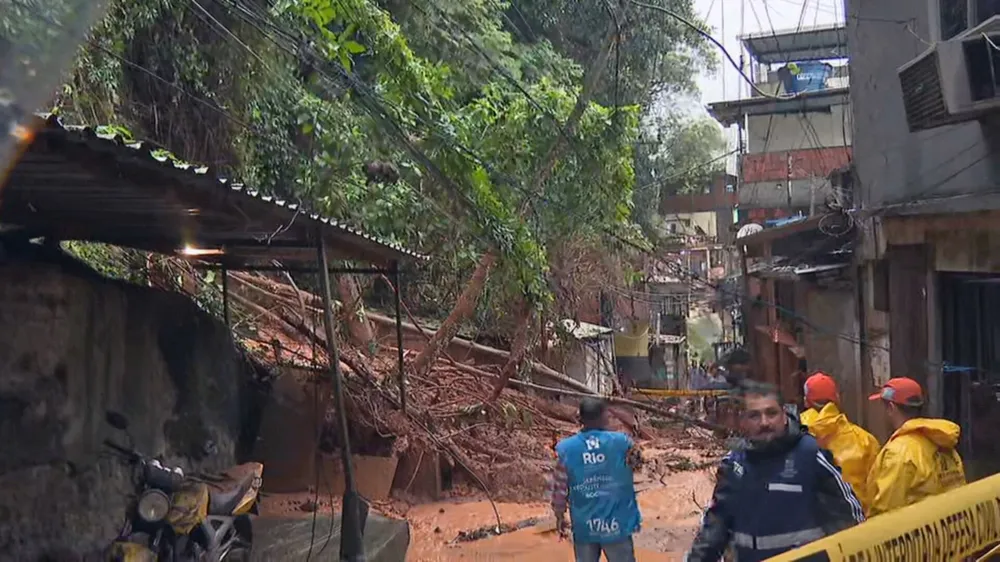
(733, 112)
(297, 269)
(355, 510)
(399, 336)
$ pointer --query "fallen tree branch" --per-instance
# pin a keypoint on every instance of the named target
(611, 399)
(283, 324)
(446, 444)
(269, 295)
(536, 367)
(282, 289)
(409, 315)
(518, 351)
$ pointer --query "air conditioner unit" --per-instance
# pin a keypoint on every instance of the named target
(955, 80)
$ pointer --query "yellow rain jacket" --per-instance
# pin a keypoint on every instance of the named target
(918, 461)
(853, 448)
(808, 416)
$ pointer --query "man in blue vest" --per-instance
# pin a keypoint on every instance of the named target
(776, 492)
(594, 473)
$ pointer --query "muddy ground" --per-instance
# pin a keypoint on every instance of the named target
(499, 446)
(670, 518)
(673, 489)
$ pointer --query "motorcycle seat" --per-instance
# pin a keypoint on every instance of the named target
(224, 501)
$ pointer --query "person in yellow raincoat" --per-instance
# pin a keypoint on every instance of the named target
(854, 449)
(919, 459)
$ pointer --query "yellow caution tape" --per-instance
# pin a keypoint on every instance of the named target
(679, 393)
(951, 526)
(995, 551)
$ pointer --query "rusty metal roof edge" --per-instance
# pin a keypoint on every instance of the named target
(52, 122)
(771, 234)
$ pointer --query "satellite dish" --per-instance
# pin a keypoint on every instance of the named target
(748, 229)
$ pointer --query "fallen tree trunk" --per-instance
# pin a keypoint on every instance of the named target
(280, 289)
(519, 350)
(463, 309)
(287, 328)
(272, 297)
(537, 368)
(353, 309)
(296, 325)
(611, 399)
(416, 325)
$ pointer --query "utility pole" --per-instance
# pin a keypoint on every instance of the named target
(354, 512)
(812, 197)
(788, 180)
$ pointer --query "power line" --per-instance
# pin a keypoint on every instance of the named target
(806, 320)
(684, 172)
(694, 276)
(718, 44)
(498, 68)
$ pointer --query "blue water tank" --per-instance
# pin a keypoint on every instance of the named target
(805, 76)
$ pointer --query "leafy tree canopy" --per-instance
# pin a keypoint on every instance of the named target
(464, 97)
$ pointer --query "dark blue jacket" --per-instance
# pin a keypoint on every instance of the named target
(774, 497)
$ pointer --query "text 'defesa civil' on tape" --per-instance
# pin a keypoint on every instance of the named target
(960, 525)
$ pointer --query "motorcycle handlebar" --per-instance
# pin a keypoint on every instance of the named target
(154, 474)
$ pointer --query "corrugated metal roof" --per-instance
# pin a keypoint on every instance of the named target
(780, 268)
(731, 112)
(824, 42)
(78, 184)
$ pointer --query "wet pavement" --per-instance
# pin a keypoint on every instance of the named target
(671, 507)
(670, 513)
(289, 539)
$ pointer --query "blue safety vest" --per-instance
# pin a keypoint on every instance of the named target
(602, 503)
(775, 502)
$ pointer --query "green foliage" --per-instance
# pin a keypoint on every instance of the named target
(656, 54)
(395, 80)
(508, 128)
(681, 155)
(110, 261)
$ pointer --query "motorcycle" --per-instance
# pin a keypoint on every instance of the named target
(178, 518)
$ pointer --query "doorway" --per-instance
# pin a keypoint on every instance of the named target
(970, 338)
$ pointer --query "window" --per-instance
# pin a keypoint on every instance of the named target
(955, 16)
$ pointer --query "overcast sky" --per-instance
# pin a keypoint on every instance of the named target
(738, 17)
(731, 18)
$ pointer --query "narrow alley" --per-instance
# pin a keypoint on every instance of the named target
(445, 280)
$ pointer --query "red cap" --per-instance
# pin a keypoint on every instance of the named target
(902, 390)
(820, 387)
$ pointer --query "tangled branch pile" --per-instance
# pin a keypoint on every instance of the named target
(503, 446)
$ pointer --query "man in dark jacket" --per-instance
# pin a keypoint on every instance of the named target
(779, 490)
